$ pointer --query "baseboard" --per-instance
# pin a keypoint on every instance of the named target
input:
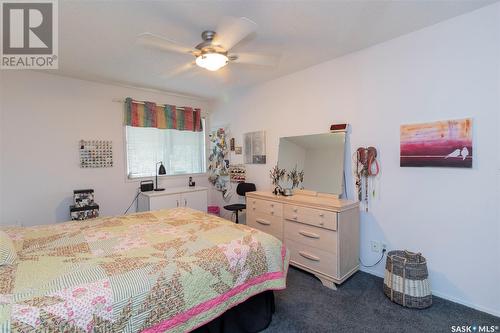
(493, 312)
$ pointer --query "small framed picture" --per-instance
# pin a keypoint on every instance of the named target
(96, 153)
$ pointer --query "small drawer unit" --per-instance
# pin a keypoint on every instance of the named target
(83, 206)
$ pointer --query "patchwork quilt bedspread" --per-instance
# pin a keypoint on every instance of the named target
(164, 271)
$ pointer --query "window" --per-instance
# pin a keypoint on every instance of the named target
(182, 152)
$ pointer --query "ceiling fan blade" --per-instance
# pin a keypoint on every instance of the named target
(180, 70)
(232, 30)
(162, 43)
(255, 59)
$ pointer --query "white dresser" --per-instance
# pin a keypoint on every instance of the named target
(320, 231)
(192, 197)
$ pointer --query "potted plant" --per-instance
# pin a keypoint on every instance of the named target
(276, 174)
(296, 177)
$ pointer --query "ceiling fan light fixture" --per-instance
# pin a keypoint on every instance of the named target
(212, 61)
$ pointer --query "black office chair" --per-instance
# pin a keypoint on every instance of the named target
(241, 189)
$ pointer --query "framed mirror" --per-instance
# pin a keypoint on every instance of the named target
(320, 156)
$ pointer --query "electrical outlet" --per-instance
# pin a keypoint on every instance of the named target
(375, 246)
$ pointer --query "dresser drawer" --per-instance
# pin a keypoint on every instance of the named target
(265, 222)
(317, 217)
(312, 258)
(312, 236)
(265, 207)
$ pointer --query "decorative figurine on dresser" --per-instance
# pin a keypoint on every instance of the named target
(83, 206)
(320, 229)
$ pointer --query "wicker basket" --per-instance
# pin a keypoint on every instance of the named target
(406, 280)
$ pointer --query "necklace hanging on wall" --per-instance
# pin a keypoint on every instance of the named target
(366, 166)
(218, 165)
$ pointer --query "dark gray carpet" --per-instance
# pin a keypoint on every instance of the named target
(359, 305)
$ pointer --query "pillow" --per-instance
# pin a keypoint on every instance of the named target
(8, 253)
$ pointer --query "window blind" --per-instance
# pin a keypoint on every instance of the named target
(182, 152)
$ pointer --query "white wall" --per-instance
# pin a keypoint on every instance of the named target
(44, 117)
(1, 150)
(446, 71)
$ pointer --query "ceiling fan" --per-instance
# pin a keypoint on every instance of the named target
(215, 51)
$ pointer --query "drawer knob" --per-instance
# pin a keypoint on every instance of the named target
(264, 222)
(308, 256)
(321, 215)
(272, 212)
(295, 210)
(253, 208)
(308, 234)
(321, 223)
(272, 205)
(295, 217)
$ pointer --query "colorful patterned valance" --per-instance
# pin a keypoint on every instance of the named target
(148, 114)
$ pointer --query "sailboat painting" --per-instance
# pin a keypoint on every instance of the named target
(437, 144)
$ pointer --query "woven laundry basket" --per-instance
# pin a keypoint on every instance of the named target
(406, 280)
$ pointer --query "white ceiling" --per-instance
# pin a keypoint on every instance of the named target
(97, 39)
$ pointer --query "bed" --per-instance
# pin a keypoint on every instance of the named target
(165, 271)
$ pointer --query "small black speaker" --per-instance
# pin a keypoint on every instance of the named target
(147, 185)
